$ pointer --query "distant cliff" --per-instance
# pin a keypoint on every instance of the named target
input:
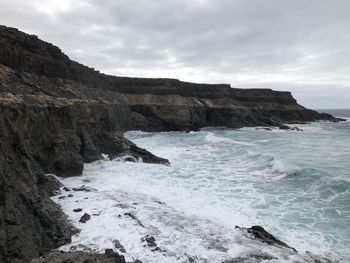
(56, 114)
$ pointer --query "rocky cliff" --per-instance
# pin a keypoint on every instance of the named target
(56, 114)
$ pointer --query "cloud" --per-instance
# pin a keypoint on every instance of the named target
(298, 45)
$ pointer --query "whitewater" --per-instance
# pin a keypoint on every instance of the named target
(296, 184)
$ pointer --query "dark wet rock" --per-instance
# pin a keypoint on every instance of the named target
(81, 257)
(130, 159)
(80, 247)
(82, 189)
(264, 128)
(66, 189)
(119, 246)
(317, 259)
(149, 240)
(131, 215)
(62, 197)
(283, 127)
(253, 258)
(123, 206)
(261, 234)
(77, 210)
(86, 217)
(296, 129)
(70, 195)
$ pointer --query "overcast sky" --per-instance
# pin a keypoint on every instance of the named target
(297, 45)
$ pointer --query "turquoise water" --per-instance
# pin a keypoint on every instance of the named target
(296, 184)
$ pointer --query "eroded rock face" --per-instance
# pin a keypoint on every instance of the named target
(30, 222)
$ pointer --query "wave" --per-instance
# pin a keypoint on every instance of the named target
(212, 138)
(272, 167)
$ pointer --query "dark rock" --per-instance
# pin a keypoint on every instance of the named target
(77, 210)
(82, 189)
(86, 217)
(119, 246)
(70, 195)
(150, 241)
(66, 189)
(134, 217)
(296, 129)
(81, 257)
(283, 127)
(129, 159)
(261, 234)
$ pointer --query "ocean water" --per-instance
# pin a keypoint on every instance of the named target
(296, 184)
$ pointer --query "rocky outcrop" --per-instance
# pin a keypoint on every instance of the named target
(81, 257)
(56, 114)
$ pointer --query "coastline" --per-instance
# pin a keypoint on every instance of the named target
(57, 114)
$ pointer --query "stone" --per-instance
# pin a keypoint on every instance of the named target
(86, 217)
(119, 246)
(261, 234)
(150, 241)
(77, 210)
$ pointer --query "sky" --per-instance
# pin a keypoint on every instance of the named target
(298, 45)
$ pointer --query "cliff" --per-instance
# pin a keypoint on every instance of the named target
(56, 114)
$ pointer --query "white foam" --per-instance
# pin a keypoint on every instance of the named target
(192, 206)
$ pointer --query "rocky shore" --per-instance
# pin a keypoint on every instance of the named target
(56, 114)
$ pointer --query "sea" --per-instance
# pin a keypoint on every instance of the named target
(295, 184)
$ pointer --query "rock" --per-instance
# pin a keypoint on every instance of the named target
(81, 257)
(119, 246)
(77, 210)
(70, 195)
(135, 218)
(283, 127)
(150, 241)
(66, 189)
(82, 189)
(129, 159)
(296, 129)
(86, 217)
(261, 234)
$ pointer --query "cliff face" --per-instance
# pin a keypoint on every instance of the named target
(56, 114)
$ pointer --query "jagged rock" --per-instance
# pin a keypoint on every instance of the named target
(119, 246)
(82, 189)
(81, 257)
(86, 217)
(77, 210)
(261, 234)
(150, 241)
(131, 215)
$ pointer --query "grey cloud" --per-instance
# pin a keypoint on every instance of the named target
(302, 46)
